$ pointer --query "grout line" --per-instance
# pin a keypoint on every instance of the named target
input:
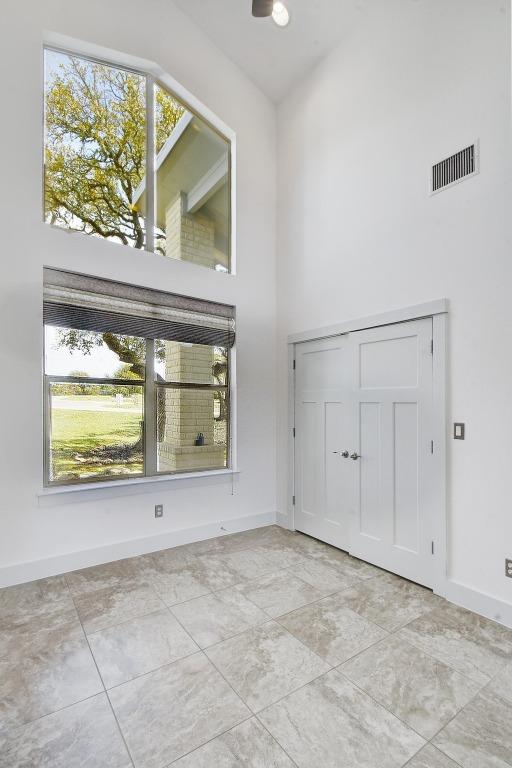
(141, 580)
(256, 712)
(295, 690)
(266, 620)
(274, 621)
(359, 653)
(253, 712)
(164, 609)
(443, 754)
(247, 582)
(19, 726)
(236, 694)
(427, 740)
(381, 705)
(450, 721)
(276, 741)
(447, 663)
(213, 738)
(102, 681)
(151, 671)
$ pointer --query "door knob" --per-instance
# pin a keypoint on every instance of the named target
(342, 453)
(355, 456)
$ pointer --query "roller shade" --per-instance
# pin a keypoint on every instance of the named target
(92, 304)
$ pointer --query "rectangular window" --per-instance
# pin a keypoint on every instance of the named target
(136, 381)
(126, 161)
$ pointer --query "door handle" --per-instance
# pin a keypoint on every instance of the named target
(355, 456)
(345, 454)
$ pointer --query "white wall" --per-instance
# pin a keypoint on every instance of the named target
(412, 83)
(34, 530)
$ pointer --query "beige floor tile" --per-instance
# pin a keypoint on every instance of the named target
(430, 757)
(23, 602)
(474, 646)
(248, 745)
(389, 603)
(116, 575)
(108, 607)
(324, 577)
(332, 630)
(282, 554)
(146, 617)
(172, 711)
(420, 690)
(181, 581)
(331, 723)
(265, 663)
(139, 646)
(238, 541)
(481, 735)
(175, 582)
(45, 680)
(42, 631)
(215, 617)
(343, 562)
(280, 592)
(84, 735)
(501, 684)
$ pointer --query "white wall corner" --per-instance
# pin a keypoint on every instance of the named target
(284, 520)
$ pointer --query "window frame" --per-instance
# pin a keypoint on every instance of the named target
(154, 76)
(150, 386)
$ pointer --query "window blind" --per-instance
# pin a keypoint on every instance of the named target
(88, 303)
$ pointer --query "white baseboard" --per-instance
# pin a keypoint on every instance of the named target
(20, 573)
(478, 602)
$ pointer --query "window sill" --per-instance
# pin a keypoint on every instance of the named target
(136, 483)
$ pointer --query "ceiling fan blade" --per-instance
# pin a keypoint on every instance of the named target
(262, 8)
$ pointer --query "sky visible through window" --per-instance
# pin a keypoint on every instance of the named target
(61, 361)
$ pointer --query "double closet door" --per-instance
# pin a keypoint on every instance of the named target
(363, 445)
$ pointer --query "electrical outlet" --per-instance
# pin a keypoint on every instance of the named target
(508, 568)
(159, 510)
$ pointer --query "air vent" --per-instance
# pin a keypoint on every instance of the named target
(454, 169)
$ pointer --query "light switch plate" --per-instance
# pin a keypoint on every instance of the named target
(459, 431)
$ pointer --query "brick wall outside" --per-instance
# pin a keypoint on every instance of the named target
(189, 412)
(189, 236)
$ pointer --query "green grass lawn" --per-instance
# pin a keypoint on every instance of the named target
(76, 434)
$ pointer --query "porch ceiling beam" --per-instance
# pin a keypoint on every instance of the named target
(208, 185)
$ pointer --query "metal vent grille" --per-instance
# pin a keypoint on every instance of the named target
(455, 168)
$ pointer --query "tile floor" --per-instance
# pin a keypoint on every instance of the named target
(264, 649)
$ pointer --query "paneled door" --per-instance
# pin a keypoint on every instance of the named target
(322, 422)
(391, 448)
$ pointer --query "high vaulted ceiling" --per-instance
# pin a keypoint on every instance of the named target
(275, 59)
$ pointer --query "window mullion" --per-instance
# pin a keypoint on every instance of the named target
(150, 163)
(150, 393)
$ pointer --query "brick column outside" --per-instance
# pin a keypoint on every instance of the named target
(189, 236)
(189, 412)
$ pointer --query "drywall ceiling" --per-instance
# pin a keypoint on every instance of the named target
(275, 59)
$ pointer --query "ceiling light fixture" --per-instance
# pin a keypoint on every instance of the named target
(280, 14)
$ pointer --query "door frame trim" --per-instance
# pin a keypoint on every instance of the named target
(438, 311)
(400, 315)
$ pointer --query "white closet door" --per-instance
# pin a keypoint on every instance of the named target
(322, 476)
(392, 520)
